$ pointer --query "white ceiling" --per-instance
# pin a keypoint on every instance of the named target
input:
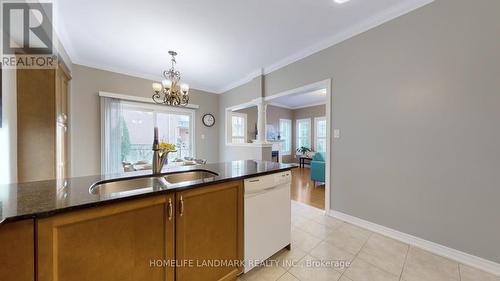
(300, 100)
(221, 43)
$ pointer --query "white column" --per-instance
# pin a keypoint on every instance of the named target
(261, 121)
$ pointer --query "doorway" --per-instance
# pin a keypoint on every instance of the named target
(304, 136)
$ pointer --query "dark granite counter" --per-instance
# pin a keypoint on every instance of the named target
(46, 198)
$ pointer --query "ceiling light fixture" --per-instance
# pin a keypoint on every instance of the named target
(169, 91)
(341, 1)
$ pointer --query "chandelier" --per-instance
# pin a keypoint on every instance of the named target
(169, 91)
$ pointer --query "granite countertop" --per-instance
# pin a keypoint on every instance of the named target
(45, 198)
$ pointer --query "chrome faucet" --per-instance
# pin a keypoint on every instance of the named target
(158, 160)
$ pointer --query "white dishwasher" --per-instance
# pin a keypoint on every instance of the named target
(267, 217)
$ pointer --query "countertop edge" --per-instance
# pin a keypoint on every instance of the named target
(46, 214)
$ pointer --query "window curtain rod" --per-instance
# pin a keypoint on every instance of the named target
(138, 99)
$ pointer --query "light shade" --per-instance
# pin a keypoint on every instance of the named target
(157, 87)
(166, 83)
(184, 88)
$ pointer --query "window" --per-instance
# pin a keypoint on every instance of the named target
(320, 134)
(303, 131)
(286, 136)
(128, 134)
(238, 127)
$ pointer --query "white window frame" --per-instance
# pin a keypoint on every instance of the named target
(308, 120)
(155, 108)
(168, 110)
(316, 119)
(289, 139)
(245, 121)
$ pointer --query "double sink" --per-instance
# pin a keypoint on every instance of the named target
(153, 182)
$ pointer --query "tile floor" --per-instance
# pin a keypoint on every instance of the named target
(321, 246)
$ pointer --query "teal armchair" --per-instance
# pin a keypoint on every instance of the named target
(318, 167)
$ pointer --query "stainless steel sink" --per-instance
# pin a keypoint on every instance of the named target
(138, 185)
(194, 176)
(147, 184)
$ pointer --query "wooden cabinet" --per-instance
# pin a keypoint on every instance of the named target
(181, 236)
(116, 242)
(42, 123)
(209, 229)
(17, 262)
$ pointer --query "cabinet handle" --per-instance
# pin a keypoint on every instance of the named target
(181, 206)
(170, 209)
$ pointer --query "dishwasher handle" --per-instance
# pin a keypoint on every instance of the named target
(255, 192)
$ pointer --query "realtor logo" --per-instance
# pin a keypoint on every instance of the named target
(27, 39)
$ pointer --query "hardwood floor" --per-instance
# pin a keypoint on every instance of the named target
(304, 191)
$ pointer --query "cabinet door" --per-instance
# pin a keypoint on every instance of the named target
(115, 242)
(17, 261)
(209, 228)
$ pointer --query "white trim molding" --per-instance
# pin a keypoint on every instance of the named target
(240, 82)
(438, 249)
(324, 84)
(145, 76)
(309, 137)
(251, 144)
(141, 99)
(367, 24)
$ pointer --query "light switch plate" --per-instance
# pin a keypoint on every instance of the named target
(336, 133)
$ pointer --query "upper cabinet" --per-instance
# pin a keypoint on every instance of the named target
(42, 123)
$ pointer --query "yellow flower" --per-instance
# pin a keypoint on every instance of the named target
(167, 147)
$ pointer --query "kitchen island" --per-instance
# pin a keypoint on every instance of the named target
(181, 230)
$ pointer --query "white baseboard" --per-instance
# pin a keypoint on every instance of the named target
(461, 257)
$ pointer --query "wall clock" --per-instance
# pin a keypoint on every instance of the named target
(208, 120)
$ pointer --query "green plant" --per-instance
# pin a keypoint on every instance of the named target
(303, 150)
(125, 140)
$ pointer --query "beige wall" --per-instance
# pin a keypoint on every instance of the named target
(417, 102)
(85, 116)
(239, 95)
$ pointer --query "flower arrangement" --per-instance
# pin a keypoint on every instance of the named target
(166, 147)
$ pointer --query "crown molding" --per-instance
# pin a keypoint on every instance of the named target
(369, 23)
(136, 74)
(276, 104)
(140, 99)
(240, 82)
(295, 107)
(309, 105)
